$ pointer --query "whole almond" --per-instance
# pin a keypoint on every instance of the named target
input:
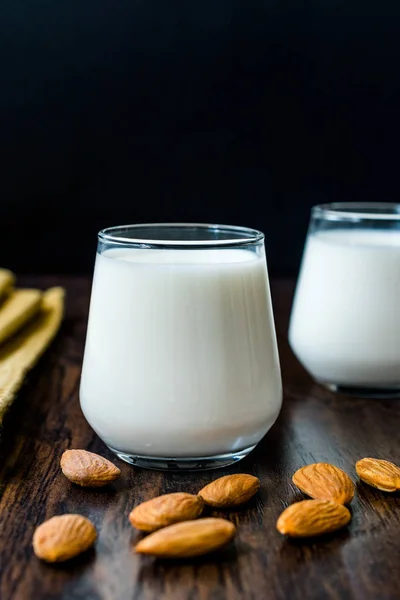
(63, 537)
(191, 538)
(88, 469)
(312, 517)
(324, 481)
(166, 510)
(381, 474)
(230, 490)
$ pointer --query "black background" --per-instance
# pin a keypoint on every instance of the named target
(236, 111)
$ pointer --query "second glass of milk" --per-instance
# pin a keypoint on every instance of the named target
(345, 321)
(181, 367)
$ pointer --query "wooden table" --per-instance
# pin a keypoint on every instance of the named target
(361, 562)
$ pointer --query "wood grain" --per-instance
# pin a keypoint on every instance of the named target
(314, 425)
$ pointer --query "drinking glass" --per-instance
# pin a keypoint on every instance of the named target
(181, 367)
(345, 320)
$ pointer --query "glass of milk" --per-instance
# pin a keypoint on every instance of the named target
(181, 367)
(345, 321)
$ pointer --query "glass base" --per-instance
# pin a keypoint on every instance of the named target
(196, 463)
(363, 392)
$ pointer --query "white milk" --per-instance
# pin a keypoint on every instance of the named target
(345, 324)
(180, 357)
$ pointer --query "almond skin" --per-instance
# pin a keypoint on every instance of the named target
(312, 517)
(88, 469)
(230, 490)
(63, 537)
(324, 481)
(191, 538)
(166, 510)
(380, 474)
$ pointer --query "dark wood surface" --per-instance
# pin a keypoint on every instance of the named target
(360, 562)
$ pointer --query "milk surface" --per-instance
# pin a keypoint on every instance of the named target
(345, 323)
(180, 357)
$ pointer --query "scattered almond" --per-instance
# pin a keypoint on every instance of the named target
(166, 510)
(231, 490)
(380, 474)
(88, 469)
(63, 537)
(312, 517)
(191, 538)
(324, 481)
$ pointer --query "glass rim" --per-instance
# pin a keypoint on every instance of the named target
(340, 211)
(239, 236)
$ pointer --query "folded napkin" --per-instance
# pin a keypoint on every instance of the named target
(17, 309)
(7, 279)
(29, 320)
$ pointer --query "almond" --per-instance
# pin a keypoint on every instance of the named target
(381, 474)
(88, 469)
(230, 490)
(166, 510)
(325, 482)
(63, 537)
(191, 538)
(312, 517)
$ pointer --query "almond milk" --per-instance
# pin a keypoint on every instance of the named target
(345, 323)
(180, 357)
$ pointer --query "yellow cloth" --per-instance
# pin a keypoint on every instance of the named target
(20, 353)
